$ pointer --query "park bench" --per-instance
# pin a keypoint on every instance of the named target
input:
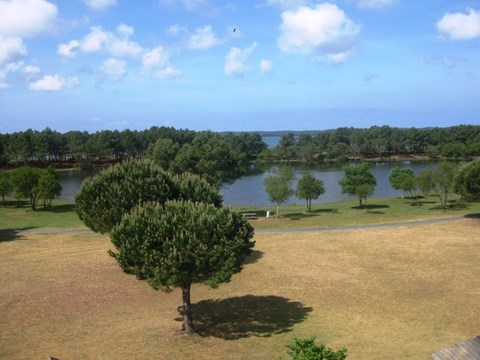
(250, 216)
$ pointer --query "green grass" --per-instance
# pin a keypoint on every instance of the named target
(15, 216)
(346, 213)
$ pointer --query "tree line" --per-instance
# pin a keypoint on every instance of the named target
(358, 181)
(460, 141)
(49, 146)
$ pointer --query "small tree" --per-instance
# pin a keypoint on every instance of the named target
(278, 187)
(440, 181)
(357, 179)
(405, 180)
(309, 188)
(467, 180)
(306, 349)
(25, 181)
(48, 187)
(5, 185)
(180, 243)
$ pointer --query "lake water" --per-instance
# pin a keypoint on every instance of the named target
(249, 189)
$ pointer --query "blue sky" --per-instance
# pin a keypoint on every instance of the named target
(238, 65)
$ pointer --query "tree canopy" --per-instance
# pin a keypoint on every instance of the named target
(467, 180)
(103, 200)
(278, 186)
(358, 181)
(309, 188)
(180, 243)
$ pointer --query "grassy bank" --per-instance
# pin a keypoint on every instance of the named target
(398, 293)
(346, 213)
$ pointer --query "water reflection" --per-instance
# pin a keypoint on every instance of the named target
(249, 189)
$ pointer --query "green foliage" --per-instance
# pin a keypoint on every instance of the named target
(405, 180)
(48, 187)
(358, 180)
(180, 243)
(248, 144)
(103, 200)
(306, 349)
(309, 188)
(25, 181)
(467, 180)
(5, 185)
(278, 186)
(209, 156)
(440, 181)
(163, 152)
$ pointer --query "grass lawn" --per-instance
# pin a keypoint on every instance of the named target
(380, 211)
(399, 293)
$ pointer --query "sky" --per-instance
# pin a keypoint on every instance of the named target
(238, 65)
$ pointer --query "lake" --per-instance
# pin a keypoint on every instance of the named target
(249, 189)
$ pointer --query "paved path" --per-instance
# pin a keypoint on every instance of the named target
(313, 229)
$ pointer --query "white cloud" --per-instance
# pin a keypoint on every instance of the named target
(288, 4)
(100, 4)
(53, 83)
(113, 70)
(11, 50)
(20, 18)
(459, 26)
(236, 60)
(69, 49)
(99, 40)
(155, 63)
(265, 66)
(323, 31)
(5, 70)
(203, 38)
(176, 30)
(31, 70)
(125, 30)
(375, 4)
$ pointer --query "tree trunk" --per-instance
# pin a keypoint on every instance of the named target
(278, 211)
(187, 310)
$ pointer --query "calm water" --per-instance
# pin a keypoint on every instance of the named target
(249, 189)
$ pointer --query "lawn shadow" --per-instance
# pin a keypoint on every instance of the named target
(245, 316)
(254, 256)
(7, 235)
(473, 216)
(371, 207)
(320, 211)
(303, 215)
(64, 208)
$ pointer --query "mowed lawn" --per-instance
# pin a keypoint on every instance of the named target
(399, 293)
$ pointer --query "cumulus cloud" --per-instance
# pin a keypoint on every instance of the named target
(99, 4)
(203, 38)
(7, 69)
(265, 66)
(113, 70)
(236, 60)
(322, 31)
(31, 70)
(375, 4)
(459, 26)
(117, 44)
(155, 63)
(11, 50)
(53, 83)
(23, 18)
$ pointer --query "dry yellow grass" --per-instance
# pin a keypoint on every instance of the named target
(397, 293)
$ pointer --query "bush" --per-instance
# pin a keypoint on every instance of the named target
(306, 349)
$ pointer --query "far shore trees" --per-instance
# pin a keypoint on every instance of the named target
(170, 230)
(309, 188)
(358, 181)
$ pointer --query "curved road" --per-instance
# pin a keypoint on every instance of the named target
(314, 229)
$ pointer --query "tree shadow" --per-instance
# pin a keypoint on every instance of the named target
(298, 216)
(254, 256)
(371, 207)
(245, 316)
(7, 235)
(320, 211)
(59, 209)
(473, 216)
